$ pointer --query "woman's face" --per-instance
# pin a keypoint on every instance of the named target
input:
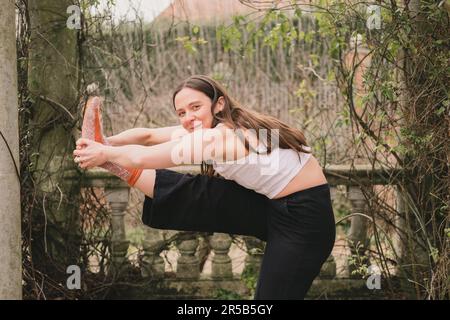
(193, 109)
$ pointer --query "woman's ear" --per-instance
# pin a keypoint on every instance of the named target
(220, 104)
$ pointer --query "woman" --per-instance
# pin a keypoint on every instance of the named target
(274, 189)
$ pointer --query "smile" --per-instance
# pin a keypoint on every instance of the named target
(197, 124)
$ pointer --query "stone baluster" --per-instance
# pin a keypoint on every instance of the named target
(328, 270)
(188, 265)
(118, 200)
(221, 262)
(399, 233)
(153, 265)
(357, 236)
(255, 253)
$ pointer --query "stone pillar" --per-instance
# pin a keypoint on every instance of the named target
(328, 270)
(399, 236)
(187, 263)
(357, 236)
(255, 253)
(118, 201)
(10, 234)
(221, 262)
(152, 263)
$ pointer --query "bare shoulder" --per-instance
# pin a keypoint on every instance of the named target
(230, 142)
(231, 134)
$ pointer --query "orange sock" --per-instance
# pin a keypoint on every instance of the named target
(92, 129)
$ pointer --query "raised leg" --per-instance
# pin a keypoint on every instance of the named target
(146, 182)
(92, 129)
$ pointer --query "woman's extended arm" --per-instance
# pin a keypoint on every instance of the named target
(139, 136)
(193, 148)
(190, 149)
(147, 136)
(132, 156)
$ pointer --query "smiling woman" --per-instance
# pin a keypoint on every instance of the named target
(197, 112)
(270, 185)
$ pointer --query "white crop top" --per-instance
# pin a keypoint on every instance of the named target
(267, 174)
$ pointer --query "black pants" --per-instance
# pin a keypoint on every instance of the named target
(299, 229)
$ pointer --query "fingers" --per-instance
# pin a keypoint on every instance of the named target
(86, 165)
(78, 153)
(83, 164)
(82, 158)
(82, 142)
(79, 160)
(75, 152)
(79, 157)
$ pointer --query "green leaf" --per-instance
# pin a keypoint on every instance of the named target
(441, 110)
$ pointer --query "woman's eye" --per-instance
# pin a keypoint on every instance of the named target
(181, 114)
(196, 107)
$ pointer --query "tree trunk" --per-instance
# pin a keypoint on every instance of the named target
(53, 76)
(10, 233)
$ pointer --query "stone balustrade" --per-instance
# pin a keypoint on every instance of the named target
(189, 281)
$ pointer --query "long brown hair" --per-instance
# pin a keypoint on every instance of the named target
(236, 116)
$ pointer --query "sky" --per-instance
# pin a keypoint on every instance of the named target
(148, 9)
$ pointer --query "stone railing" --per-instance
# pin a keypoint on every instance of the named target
(189, 282)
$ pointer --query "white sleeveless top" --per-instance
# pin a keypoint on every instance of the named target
(267, 174)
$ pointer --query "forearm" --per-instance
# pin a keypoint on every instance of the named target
(135, 136)
(135, 156)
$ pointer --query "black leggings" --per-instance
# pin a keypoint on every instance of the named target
(299, 229)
